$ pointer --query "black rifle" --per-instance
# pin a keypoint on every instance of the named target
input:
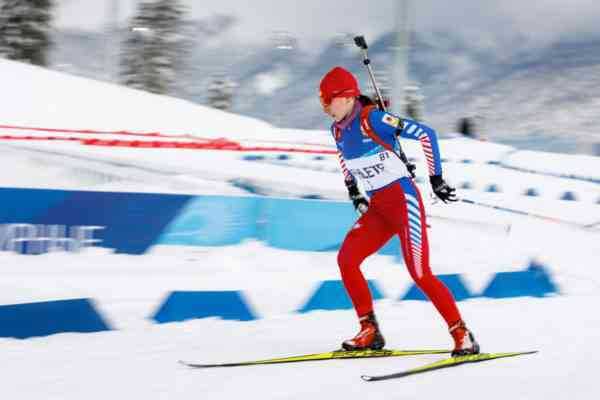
(362, 44)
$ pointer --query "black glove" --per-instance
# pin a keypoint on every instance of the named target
(411, 169)
(441, 189)
(360, 202)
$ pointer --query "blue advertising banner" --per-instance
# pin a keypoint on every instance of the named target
(34, 221)
(126, 222)
(214, 221)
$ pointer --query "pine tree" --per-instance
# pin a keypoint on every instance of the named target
(413, 102)
(220, 92)
(25, 30)
(154, 49)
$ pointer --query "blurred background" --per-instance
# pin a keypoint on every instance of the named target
(522, 74)
(170, 190)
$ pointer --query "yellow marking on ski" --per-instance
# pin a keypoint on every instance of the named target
(466, 359)
(347, 354)
(337, 354)
(446, 363)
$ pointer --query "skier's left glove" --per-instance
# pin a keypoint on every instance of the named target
(441, 189)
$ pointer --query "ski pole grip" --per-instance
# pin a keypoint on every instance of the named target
(361, 42)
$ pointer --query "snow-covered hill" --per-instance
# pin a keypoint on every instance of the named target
(139, 357)
(48, 99)
(554, 85)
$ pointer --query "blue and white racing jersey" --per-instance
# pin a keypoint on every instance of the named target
(365, 145)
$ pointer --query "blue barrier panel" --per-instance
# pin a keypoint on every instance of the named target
(180, 306)
(391, 248)
(454, 282)
(331, 295)
(569, 196)
(531, 192)
(132, 221)
(46, 318)
(253, 157)
(535, 281)
(18, 205)
(307, 225)
(493, 188)
(214, 221)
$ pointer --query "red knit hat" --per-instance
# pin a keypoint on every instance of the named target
(338, 82)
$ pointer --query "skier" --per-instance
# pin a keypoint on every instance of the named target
(366, 139)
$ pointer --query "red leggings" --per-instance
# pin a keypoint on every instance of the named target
(396, 209)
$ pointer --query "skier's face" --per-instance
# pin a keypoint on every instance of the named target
(339, 107)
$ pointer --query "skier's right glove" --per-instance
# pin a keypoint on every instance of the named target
(360, 202)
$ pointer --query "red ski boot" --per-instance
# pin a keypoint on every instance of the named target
(369, 336)
(464, 341)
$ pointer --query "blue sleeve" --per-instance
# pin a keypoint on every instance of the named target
(429, 142)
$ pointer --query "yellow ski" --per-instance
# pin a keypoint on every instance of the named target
(331, 355)
(446, 363)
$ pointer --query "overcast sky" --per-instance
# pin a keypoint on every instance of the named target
(541, 21)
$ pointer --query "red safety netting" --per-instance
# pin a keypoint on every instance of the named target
(196, 143)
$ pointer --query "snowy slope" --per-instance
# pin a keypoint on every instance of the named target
(139, 358)
(40, 97)
(86, 105)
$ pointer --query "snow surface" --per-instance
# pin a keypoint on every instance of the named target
(139, 359)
